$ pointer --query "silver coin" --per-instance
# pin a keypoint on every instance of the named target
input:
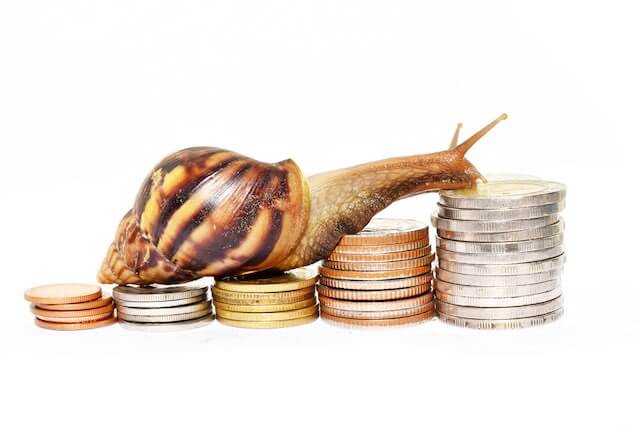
(499, 313)
(165, 311)
(160, 304)
(164, 319)
(501, 301)
(504, 269)
(509, 236)
(523, 322)
(499, 247)
(156, 292)
(505, 193)
(477, 280)
(168, 327)
(506, 258)
(508, 214)
(492, 226)
(496, 291)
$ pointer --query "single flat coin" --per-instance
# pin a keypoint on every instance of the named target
(373, 295)
(267, 317)
(77, 319)
(509, 236)
(273, 308)
(383, 257)
(497, 281)
(165, 311)
(168, 327)
(511, 193)
(505, 258)
(500, 312)
(497, 291)
(374, 315)
(63, 293)
(290, 281)
(373, 275)
(419, 318)
(380, 249)
(272, 324)
(164, 319)
(379, 266)
(96, 303)
(161, 304)
(71, 313)
(75, 326)
(376, 305)
(493, 226)
(523, 322)
(156, 293)
(505, 269)
(508, 214)
(499, 248)
(262, 298)
(499, 302)
(384, 231)
(377, 285)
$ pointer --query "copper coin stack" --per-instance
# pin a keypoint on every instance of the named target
(379, 277)
(70, 307)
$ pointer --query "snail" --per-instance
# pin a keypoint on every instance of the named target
(211, 212)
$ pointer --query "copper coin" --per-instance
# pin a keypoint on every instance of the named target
(71, 313)
(384, 231)
(374, 275)
(376, 305)
(380, 257)
(377, 285)
(379, 266)
(100, 302)
(380, 249)
(418, 318)
(375, 315)
(63, 293)
(75, 326)
(374, 295)
(78, 319)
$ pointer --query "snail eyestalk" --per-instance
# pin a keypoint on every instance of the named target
(456, 135)
(462, 149)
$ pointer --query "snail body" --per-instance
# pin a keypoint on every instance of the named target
(211, 212)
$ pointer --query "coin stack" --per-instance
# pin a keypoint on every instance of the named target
(267, 301)
(70, 307)
(500, 254)
(379, 277)
(162, 308)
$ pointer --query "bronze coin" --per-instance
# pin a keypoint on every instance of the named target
(78, 319)
(384, 231)
(377, 285)
(71, 313)
(418, 318)
(373, 275)
(379, 266)
(380, 249)
(75, 326)
(374, 315)
(262, 298)
(100, 302)
(389, 294)
(272, 308)
(380, 257)
(399, 304)
(63, 293)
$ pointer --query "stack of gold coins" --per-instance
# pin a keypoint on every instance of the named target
(267, 301)
(380, 276)
(70, 307)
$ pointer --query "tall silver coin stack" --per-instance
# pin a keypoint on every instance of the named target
(500, 254)
(162, 308)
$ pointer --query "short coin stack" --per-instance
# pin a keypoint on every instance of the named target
(264, 301)
(162, 308)
(380, 276)
(70, 307)
(500, 254)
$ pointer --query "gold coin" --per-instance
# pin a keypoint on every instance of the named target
(380, 249)
(374, 315)
(273, 308)
(418, 318)
(263, 317)
(374, 275)
(75, 326)
(71, 313)
(100, 302)
(299, 278)
(380, 257)
(374, 295)
(78, 319)
(262, 298)
(379, 266)
(377, 285)
(376, 305)
(384, 231)
(275, 324)
(64, 293)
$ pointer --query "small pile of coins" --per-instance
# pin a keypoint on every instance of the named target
(70, 307)
(162, 308)
(259, 301)
(380, 276)
(500, 254)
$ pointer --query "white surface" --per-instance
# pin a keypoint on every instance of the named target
(92, 94)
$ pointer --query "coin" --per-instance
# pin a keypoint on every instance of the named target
(379, 322)
(64, 293)
(377, 285)
(381, 257)
(505, 269)
(263, 317)
(509, 193)
(164, 319)
(156, 293)
(168, 327)
(384, 231)
(161, 304)
(165, 311)
(96, 303)
(380, 249)
(376, 305)
(523, 322)
(379, 266)
(373, 295)
(500, 312)
(272, 324)
(71, 313)
(77, 319)
(503, 291)
(497, 281)
(500, 248)
(75, 326)
(272, 308)
(290, 281)
(262, 298)
(492, 226)
(374, 275)
(374, 315)
(499, 302)
(506, 258)
(509, 214)
(509, 236)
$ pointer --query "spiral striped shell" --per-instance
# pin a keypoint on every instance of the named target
(209, 212)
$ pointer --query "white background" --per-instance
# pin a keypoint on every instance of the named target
(93, 94)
